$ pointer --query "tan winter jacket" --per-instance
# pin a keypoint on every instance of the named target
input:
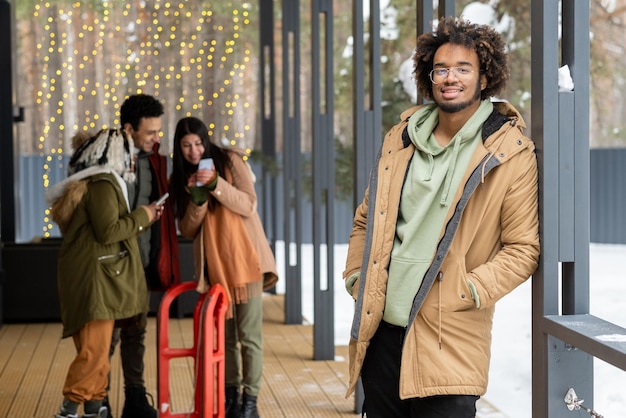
(240, 197)
(490, 236)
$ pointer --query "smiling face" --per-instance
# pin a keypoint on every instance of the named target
(458, 92)
(192, 148)
(147, 133)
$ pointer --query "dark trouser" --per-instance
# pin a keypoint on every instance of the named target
(132, 334)
(381, 384)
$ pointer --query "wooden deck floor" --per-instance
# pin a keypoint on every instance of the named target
(34, 360)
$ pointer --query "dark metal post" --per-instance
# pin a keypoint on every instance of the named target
(292, 161)
(424, 19)
(575, 53)
(560, 128)
(7, 194)
(268, 120)
(367, 95)
(446, 8)
(367, 109)
(323, 178)
(7, 154)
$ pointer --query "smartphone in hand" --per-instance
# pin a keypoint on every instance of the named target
(205, 164)
(162, 199)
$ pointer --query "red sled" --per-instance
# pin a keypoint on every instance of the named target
(207, 352)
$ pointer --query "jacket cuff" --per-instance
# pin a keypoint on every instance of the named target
(198, 195)
(474, 293)
(350, 281)
(212, 185)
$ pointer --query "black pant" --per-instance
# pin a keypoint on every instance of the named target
(381, 384)
(132, 333)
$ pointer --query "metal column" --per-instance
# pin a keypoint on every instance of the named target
(292, 162)
(560, 129)
(268, 119)
(367, 95)
(7, 156)
(367, 109)
(7, 193)
(323, 190)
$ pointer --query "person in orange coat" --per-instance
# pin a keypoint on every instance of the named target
(217, 208)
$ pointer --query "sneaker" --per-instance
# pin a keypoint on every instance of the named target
(105, 403)
(102, 413)
(68, 409)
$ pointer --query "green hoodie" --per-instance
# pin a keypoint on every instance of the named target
(432, 180)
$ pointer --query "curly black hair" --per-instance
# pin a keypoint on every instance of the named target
(488, 44)
(139, 106)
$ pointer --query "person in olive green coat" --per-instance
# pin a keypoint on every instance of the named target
(100, 277)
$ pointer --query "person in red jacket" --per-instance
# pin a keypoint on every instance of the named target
(140, 118)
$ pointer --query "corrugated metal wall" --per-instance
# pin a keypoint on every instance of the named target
(608, 200)
(32, 205)
(608, 195)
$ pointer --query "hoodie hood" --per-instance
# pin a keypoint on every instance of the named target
(420, 129)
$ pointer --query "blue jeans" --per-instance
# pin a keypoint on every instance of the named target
(381, 384)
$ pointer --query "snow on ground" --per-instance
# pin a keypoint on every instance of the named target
(510, 374)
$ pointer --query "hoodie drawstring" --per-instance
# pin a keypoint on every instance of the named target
(431, 167)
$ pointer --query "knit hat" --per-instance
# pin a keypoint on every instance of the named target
(109, 148)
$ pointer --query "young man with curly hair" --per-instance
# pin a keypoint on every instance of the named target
(447, 227)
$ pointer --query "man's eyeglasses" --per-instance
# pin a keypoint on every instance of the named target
(439, 74)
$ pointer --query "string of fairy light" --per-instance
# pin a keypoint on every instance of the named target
(86, 74)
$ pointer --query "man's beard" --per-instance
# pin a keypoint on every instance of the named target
(457, 107)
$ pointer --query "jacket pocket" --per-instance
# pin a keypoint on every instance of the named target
(115, 264)
(456, 294)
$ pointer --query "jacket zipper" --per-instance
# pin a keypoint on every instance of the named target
(121, 254)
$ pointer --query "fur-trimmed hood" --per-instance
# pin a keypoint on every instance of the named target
(109, 151)
(65, 196)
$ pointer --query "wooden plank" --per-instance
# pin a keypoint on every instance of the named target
(13, 375)
(9, 381)
(315, 383)
(37, 368)
(63, 353)
(116, 384)
(34, 361)
(9, 338)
